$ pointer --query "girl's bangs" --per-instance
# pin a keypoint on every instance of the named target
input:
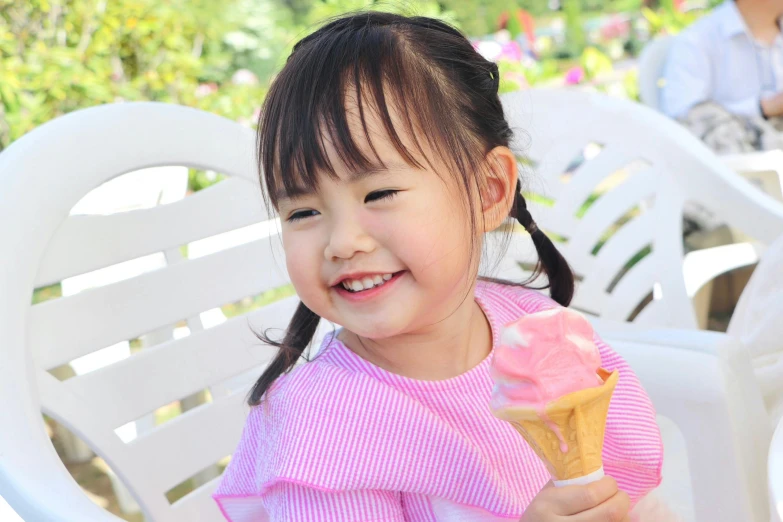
(325, 95)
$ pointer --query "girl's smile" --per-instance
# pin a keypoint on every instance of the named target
(359, 288)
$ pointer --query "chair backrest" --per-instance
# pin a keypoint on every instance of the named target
(609, 181)
(651, 68)
(715, 431)
(42, 176)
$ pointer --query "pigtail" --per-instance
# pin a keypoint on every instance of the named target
(298, 336)
(550, 261)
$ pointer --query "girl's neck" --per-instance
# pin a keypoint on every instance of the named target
(441, 351)
(761, 18)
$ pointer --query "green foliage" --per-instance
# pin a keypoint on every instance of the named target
(322, 10)
(59, 57)
(575, 33)
(478, 17)
(631, 84)
(668, 20)
(595, 63)
(515, 75)
(200, 179)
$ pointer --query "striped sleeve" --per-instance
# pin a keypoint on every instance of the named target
(633, 450)
(289, 502)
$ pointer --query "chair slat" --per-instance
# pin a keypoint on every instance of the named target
(586, 179)
(631, 289)
(654, 315)
(618, 251)
(553, 159)
(86, 243)
(198, 505)
(178, 450)
(612, 206)
(64, 329)
(176, 369)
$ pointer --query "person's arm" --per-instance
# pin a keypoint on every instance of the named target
(633, 450)
(687, 75)
(289, 502)
(772, 107)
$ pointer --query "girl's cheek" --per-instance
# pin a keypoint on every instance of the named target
(301, 258)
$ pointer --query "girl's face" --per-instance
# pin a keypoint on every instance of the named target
(383, 252)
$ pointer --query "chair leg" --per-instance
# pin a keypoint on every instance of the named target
(701, 305)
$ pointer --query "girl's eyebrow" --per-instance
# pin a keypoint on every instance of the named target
(353, 177)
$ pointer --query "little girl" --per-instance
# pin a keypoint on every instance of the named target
(384, 149)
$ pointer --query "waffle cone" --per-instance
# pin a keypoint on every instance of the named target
(580, 417)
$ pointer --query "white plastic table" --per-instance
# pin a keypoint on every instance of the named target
(776, 474)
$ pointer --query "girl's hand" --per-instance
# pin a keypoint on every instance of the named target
(600, 501)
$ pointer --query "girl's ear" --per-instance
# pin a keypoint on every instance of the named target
(497, 192)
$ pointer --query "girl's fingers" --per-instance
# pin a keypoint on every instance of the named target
(576, 499)
(614, 509)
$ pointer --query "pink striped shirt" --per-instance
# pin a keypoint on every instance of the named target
(341, 439)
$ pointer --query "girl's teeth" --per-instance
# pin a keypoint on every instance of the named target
(357, 285)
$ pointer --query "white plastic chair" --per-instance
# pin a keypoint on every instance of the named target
(712, 419)
(42, 176)
(651, 63)
(49, 246)
(775, 469)
(7, 514)
(639, 169)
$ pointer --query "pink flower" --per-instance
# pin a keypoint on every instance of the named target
(244, 77)
(510, 51)
(574, 76)
(205, 89)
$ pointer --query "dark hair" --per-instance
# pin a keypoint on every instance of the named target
(436, 81)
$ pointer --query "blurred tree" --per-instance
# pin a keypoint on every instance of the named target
(322, 10)
(481, 17)
(59, 56)
(575, 32)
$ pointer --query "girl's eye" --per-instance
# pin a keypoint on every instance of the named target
(380, 194)
(301, 214)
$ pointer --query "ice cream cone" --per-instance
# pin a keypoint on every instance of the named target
(581, 419)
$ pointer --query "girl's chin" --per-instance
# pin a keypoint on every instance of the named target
(380, 333)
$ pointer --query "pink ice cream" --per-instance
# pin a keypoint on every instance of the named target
(541, 358)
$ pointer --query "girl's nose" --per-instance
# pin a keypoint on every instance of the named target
(347, 239)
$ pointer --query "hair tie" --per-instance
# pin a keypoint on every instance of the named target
(532, 228)
(494, 74)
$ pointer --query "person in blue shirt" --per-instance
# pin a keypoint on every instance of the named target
(733, 58)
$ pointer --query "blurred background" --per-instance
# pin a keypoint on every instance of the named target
(59, 56)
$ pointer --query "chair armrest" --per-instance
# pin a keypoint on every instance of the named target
(763, 169)
(775, 471)
(687, 373)
(65, 501)
(755, 161)
(33, 479)
(702, 266)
